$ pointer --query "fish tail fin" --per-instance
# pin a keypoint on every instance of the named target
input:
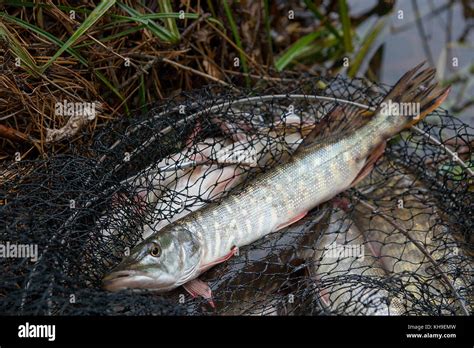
(412, 98)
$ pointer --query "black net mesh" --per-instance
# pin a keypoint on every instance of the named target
(397, 243)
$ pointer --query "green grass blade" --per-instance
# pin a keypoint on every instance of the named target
(26, 60)
(119, 18)
(112, 88)
(161, 32)
(165, 6)
(112, 37)
(298, 49)
(367, 42)
(178, 15)
(238, 42)
(211, 8)
(44, 34)
(346, 25)
(268, 27)
(59, 43)
(94, 16)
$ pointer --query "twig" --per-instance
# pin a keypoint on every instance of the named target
(111, 50)
(188, 30)
(200, 73)
(453, 154)
(250, 59)
(12, 134)
(139, 73)
(155, 59)
(424, 39)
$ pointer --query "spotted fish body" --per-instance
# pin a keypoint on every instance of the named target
(312, 177)
(328, 162)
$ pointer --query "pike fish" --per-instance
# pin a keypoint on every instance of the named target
(337, 154)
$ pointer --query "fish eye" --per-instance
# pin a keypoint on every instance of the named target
(155, 250)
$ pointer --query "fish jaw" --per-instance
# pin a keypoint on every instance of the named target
(135, 272)
(130, 279)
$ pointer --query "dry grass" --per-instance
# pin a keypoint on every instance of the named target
(98, 68)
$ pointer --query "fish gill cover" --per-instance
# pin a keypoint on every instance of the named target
(398, 243)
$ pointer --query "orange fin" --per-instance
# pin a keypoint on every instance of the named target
(291, 221)
(369, 164)
(341, 119)
(197, 287)
(403, 90)
(433, 97)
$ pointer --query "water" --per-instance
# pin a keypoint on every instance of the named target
(441, 35)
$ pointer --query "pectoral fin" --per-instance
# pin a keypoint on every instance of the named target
(197, 287)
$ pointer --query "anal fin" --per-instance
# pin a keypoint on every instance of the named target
(369, 164)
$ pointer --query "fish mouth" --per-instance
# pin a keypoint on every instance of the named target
(131, 279)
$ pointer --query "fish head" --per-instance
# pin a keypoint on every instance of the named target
(162, 262)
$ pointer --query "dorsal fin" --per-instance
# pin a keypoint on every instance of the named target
(341, 120)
